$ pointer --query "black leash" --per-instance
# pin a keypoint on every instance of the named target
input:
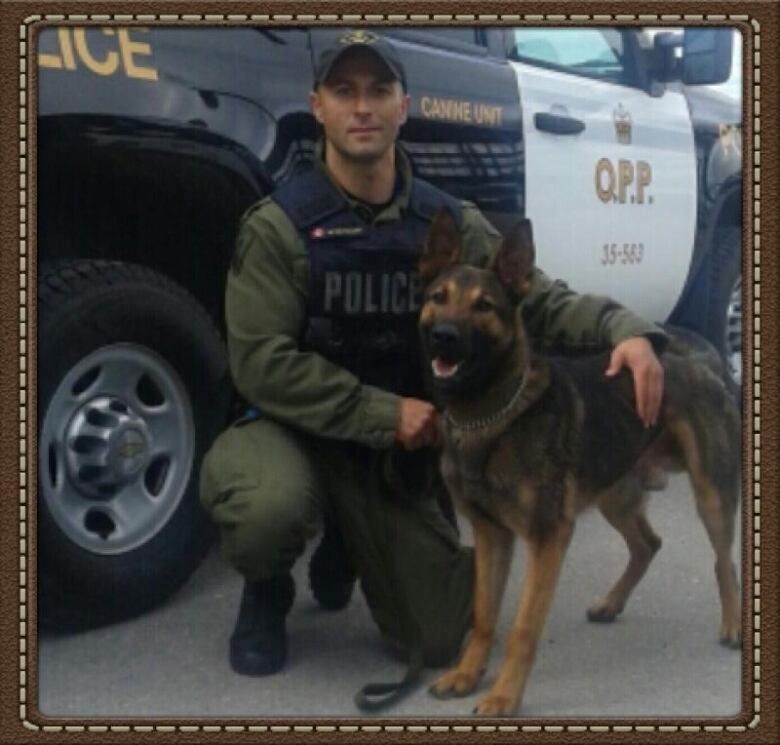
(374, 697)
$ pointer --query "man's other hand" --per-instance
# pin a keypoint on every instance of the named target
(638, 356)
(417, 424)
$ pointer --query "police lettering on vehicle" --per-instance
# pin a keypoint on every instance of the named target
(118, 53)
(464, 112)
(613, 181)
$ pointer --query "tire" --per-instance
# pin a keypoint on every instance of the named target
(132, 388)
(714, 305)
(734, 332)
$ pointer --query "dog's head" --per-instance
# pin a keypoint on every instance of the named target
(469, 321)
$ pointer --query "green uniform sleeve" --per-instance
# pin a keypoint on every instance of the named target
(265, 311)
(557, 317)
(554, 315)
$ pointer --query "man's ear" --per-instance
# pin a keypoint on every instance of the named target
(316, 107)
(442, 246)
(406, 102)
(514, 262)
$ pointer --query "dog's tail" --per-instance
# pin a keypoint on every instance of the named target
(687, 343)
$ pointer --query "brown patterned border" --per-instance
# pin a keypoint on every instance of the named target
(20, 720)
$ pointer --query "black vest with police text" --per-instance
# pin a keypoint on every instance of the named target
(364, 290)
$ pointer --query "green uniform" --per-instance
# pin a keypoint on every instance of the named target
(324, 438)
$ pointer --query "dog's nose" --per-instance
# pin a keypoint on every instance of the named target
(445, 335)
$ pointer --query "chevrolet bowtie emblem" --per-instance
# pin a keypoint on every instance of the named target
(130, 449)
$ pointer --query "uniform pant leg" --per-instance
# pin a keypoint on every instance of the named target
(437, 575)
(259, 485)
(403, 548)
(266, 487)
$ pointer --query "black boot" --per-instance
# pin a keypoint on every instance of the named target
(258, 645)
(331, 576)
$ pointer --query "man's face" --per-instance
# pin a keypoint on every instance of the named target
(361, 106)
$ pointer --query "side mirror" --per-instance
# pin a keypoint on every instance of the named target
(665, 56)
(706, 56)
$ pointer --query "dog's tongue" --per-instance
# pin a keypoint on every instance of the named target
(442, 369)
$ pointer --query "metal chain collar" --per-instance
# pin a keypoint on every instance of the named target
(493, 418)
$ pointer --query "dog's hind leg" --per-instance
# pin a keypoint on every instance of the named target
(720, 528)
(716, 510)
(642, 542)
(493, 548)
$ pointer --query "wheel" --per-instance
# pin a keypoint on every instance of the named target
(734, 332)
(714, 305)
(133, 386)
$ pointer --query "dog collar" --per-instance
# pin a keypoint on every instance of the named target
(526, 391)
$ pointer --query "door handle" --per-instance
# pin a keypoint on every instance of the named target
(557, 124)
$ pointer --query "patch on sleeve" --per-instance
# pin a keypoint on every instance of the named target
(242, 247)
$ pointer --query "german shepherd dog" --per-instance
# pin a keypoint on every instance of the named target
(529, 442)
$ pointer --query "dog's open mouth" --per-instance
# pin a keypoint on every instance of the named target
(444, 369)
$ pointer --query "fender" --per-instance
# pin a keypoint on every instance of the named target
(177, 192)
(113, 134)
(724, 210)
(718, 139)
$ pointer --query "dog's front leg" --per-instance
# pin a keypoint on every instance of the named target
(544, 567)
(493, 545)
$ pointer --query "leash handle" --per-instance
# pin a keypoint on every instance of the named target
(373, 697)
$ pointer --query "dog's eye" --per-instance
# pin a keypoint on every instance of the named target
(483, 305)
(438, 296)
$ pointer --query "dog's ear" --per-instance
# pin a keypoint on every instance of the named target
(514, 261)
(442, 246)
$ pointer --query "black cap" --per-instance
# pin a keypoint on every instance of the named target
(359, 39)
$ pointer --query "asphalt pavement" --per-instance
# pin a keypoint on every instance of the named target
(661, 658)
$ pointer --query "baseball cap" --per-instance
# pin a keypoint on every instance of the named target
(359, 39)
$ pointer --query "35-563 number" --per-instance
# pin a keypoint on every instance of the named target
(622, 253)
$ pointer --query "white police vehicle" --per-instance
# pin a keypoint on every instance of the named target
(152, 142)
(633, 186)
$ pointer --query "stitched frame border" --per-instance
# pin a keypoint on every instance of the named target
(752, 418)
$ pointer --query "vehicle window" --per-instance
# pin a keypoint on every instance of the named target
(591, 52)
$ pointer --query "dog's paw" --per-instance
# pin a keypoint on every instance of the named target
(731, 635)
(495, 705)
(454, 683)
(603, 613)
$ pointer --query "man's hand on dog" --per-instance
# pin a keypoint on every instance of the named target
(417, 424)
(638, 356)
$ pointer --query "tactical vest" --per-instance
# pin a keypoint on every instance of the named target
(364, 290)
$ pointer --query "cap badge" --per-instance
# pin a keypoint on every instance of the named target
(359, 36)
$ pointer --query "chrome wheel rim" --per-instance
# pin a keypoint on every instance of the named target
(116, 449)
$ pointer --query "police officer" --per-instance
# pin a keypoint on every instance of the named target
(321, 309)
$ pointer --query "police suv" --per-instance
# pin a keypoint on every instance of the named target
(152, 142)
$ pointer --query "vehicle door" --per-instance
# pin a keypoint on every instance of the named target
(610, 167)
